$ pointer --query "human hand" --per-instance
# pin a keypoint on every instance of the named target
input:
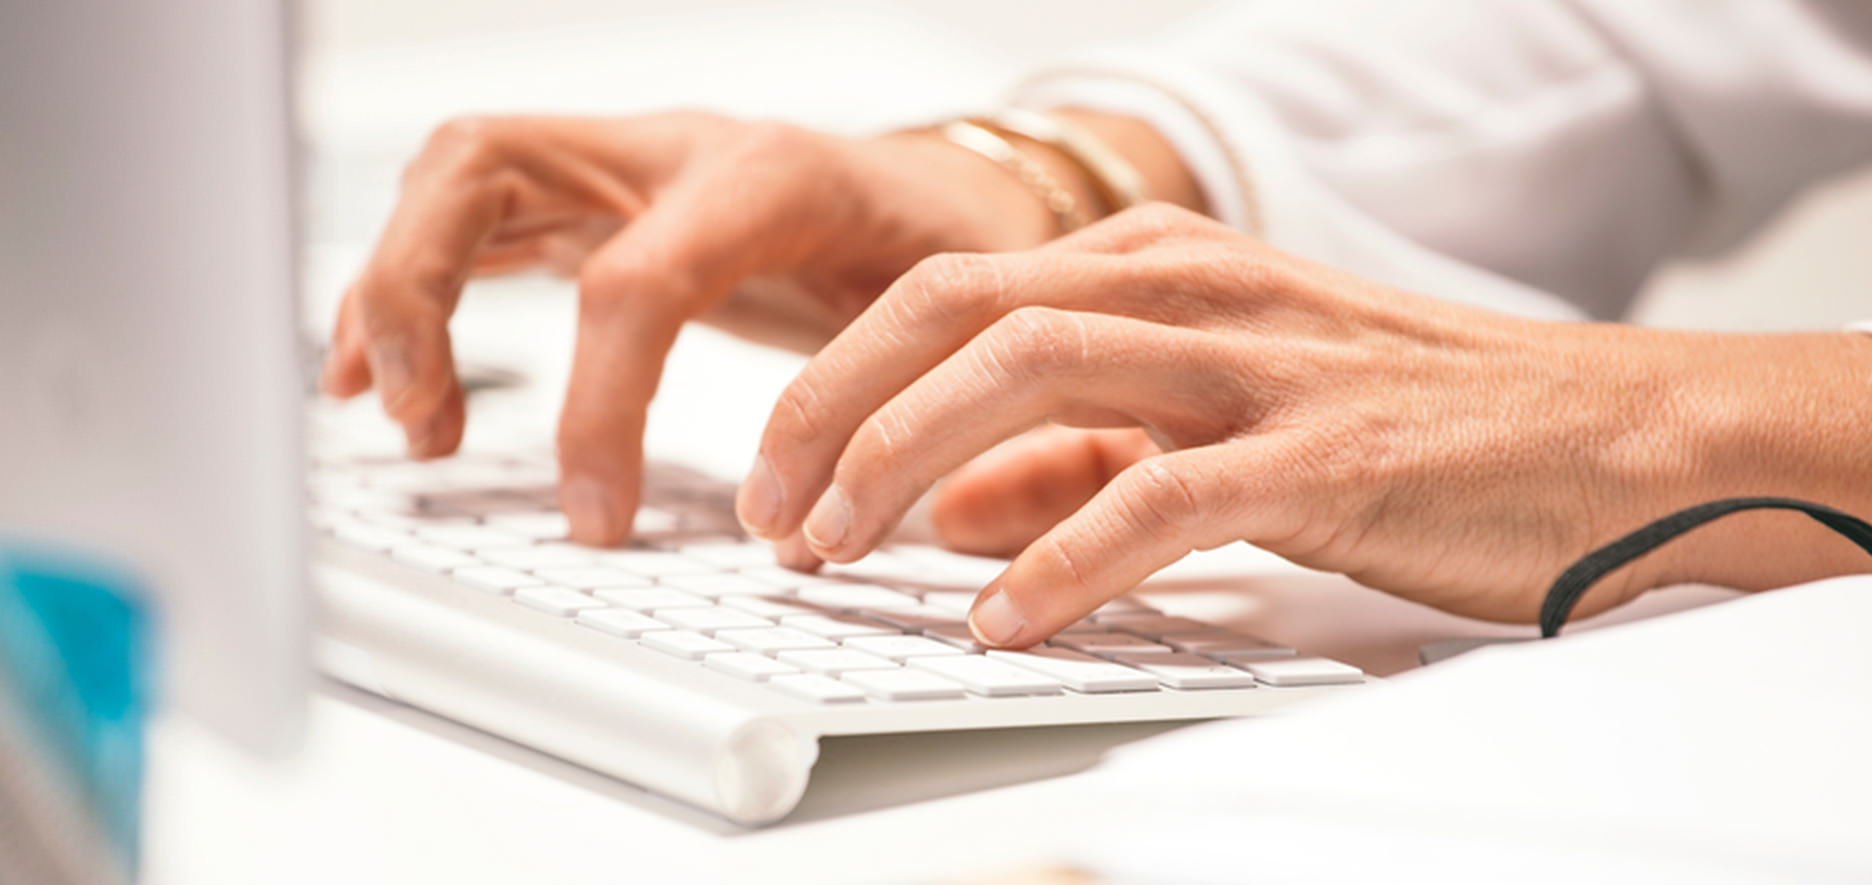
(1450, 455)
(765, 229)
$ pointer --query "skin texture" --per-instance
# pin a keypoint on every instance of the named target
(1190, 385)
(768, 230)
(1449, 455)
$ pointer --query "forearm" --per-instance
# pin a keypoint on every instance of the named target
(1784, 415)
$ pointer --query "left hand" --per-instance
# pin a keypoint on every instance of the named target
(1450, 455)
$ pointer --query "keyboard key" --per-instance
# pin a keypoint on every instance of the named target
(540, 556)
(959, 636)
(619, 622)
(652, 521)
(773, 607)
(591, 577)
(649, 598)
(716, 585)
(772, 639)
(833, 661)
(879, 567)
(562, 601)
(918, 619)
(837, 627)
(730, 556)
(1228, 646)
(1186, 671)
(411, 522)
(987, 677)
(949, 567)
(684, 644)
(493, 579)
(1080, 672)
(781, 578)
(748, 665)
(900, 648)
(950, 600)
(1122, 604)
(1153, 626)
(370, 537)
(710, 619)
(431, 558)
(653, 563)
(1106, 645)
(853, 597)
(818, 688)
(903, 685)
(1303, 671)
(549, 526)
(470, 537)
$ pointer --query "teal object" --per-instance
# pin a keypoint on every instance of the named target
(75, 655)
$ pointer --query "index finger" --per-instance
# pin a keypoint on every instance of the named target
(687, 251)
(393, 328)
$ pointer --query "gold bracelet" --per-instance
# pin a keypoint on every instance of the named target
(1255, 220)
(1060, 201)
(1116, 181)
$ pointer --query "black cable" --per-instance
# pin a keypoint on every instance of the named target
(1575, 581)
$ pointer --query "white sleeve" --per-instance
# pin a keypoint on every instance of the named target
(1568, 146)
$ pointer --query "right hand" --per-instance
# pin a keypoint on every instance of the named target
(766, 229)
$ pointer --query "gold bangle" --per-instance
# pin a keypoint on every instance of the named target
(1060, 201)
(1255, 220)
(1113, 177)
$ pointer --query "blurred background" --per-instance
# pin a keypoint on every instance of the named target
(378, 74)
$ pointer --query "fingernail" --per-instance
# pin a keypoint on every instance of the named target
(589, 510)
(390, 367)
(829, 522)
(995, 621)
(759, 504)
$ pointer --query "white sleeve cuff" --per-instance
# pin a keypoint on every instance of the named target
(1863, 326)
(1244, 162)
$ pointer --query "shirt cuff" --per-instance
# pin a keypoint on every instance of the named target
(1862, 326)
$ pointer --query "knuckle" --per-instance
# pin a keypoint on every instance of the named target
(1036, 341)
(882, 443)
(1067, 561)
(601, 281)
(948, 286)
(1159, 497)
(1152, 223)
(800, 414)
(468, 140)
(773, 137)
(780, 153)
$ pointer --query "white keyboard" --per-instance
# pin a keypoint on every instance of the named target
(696, 609)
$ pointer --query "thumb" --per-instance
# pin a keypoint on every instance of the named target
(1005, 499)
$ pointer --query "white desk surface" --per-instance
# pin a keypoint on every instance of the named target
(385, 793)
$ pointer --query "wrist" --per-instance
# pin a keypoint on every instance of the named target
(1007, 213)
(1766, 415)
(1021, 216)
(1166, 178)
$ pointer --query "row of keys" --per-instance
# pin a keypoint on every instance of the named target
(734, 636)
(720, 600)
